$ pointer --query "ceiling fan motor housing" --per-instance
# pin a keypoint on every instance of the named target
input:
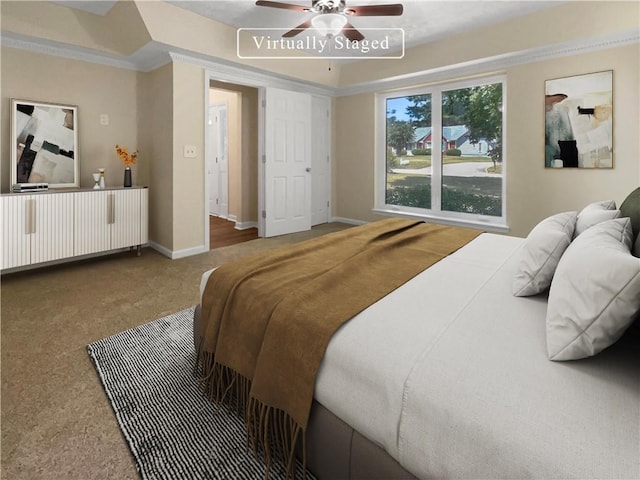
(328, 6)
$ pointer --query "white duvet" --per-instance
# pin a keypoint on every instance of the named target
(449, 374)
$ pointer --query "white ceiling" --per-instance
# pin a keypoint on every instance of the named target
(422, 21)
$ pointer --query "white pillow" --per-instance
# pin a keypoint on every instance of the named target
(595, 293)
(541, 253)
(595, 213)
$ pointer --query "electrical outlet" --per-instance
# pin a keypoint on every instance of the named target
(104, 119)
(190, 151)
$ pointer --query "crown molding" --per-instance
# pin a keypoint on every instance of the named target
(251, 76)
(155, 54)
(151, 56)
(58, 49)
(496, 63)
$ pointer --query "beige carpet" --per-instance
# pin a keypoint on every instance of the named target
(56, 420)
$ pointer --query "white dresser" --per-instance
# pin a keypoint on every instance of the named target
(47, 226)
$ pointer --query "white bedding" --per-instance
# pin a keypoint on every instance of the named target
(449, 374)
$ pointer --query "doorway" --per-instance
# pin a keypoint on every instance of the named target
(246, 179)
(231, 162)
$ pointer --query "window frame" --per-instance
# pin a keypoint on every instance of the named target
(435, 213)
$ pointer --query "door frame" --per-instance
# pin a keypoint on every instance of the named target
(214, 71)
(328, 185)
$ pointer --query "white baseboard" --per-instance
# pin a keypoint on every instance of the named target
(238, 225)
(349, 221)
(175, 254)
(246, 225)
(230, 217)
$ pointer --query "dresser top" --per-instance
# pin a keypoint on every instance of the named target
(70, 190)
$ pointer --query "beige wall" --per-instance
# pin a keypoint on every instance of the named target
(533, 192)
(354, 159)
(188, 173)
(95, 89)
(155, 127)
(567, 22)
(120, 31)
(249, 98)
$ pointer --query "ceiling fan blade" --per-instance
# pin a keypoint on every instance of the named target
(286, 6)
(375, 10)
(352, 33)
(299, 29)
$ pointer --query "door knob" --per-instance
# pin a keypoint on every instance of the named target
(308, 169)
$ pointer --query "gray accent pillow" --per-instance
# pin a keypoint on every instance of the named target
(631, 208)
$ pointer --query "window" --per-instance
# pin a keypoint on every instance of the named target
(444, 153)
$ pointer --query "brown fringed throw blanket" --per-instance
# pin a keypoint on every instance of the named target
(267, 319)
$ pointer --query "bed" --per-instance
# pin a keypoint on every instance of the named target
(462, 386)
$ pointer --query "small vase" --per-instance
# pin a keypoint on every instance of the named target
(127, 177)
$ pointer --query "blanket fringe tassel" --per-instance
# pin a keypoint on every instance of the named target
(271, 432)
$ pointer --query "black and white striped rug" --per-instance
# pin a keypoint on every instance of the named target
(173, 430)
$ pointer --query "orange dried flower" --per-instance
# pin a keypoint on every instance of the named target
(127, 158)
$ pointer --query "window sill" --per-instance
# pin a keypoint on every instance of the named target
(456, 222)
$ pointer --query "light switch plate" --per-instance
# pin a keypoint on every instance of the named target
(104, 119)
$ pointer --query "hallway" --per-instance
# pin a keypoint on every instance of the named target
(223, 233)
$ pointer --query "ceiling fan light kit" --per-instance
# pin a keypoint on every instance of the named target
(329, 24)
(331, 18)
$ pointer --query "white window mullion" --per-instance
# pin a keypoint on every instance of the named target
(504, 150)
(436, 151)
(380, 172)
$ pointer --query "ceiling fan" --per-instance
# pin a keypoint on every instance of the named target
(331, 18)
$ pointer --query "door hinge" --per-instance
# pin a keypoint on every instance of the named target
(264, 159)
(327, 203)
(216, 201)
(264, 214)
(264, 103)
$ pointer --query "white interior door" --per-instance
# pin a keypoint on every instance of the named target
(320, 160)
(212, 167)
(218, 170)
(287, 168)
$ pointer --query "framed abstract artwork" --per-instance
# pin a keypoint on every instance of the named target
(579, 121)
(44, 143)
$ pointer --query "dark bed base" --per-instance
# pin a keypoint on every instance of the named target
(335, 451)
